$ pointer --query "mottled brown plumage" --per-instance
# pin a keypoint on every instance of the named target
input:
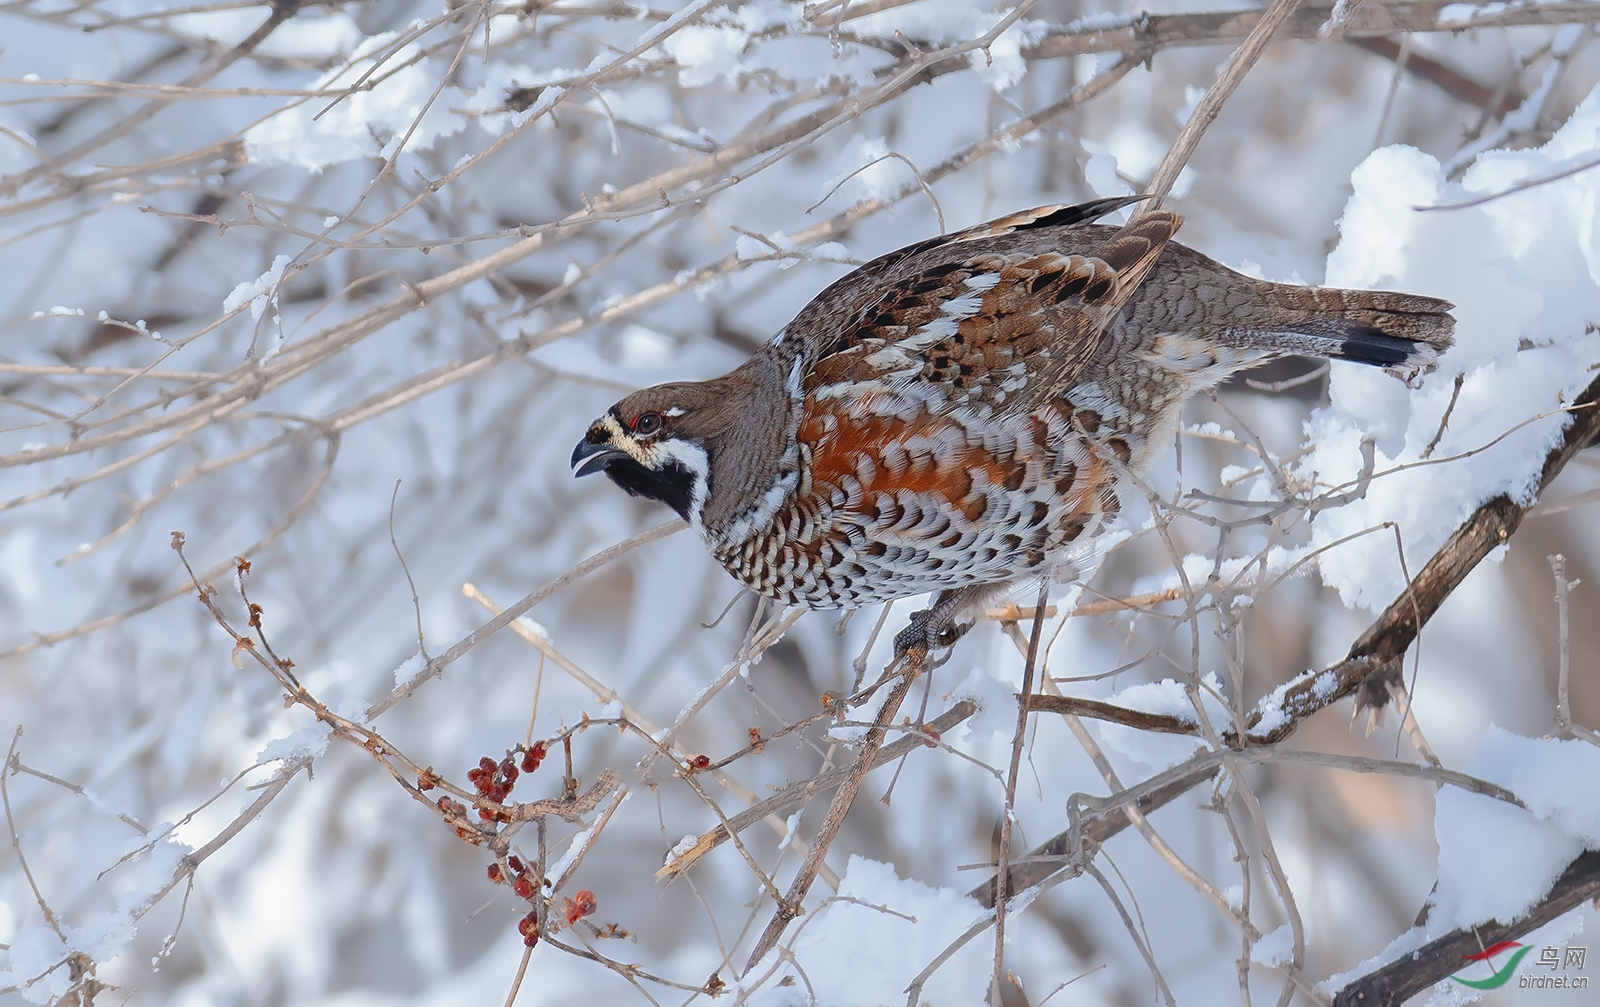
(959, 414)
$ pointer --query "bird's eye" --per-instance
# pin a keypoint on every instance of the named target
(647, 424)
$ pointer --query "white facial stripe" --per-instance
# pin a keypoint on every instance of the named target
(692, 457)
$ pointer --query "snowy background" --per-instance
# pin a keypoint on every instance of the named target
(350, 291)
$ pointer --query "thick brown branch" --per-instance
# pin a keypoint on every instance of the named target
(1490, 526)
(1146, 33)
(1399, 981)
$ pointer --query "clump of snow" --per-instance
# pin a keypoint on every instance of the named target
(537, 629)
(705, 53)
(406, 670)
(307, 743)
(1274, 716)
(860, 956)
(1522, 271)
(1276, 948)
(682, 846)
(576, 848)
(256, 292)
(997, 704)
(1496, 860)
(372, 120)
(944, 22)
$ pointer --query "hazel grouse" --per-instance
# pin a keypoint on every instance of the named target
(959, 415)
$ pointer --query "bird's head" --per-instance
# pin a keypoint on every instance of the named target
(658, 443)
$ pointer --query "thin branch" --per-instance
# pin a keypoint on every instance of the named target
(435, 667)
(792, 904)
(7, 770)
(1008, 810)
(1210, 106)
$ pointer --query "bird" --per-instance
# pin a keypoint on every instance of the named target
(963, 415)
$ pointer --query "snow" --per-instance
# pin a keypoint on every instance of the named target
(307, 743)
(681, 847)
(1496, 860)
(1274, 716)
(406, 670)
(1275, 948)
(1500, 263)
(705, 53)
(256, 292)
(861, 956)
(371, 121)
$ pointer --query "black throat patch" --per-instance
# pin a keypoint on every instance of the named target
(672, 485)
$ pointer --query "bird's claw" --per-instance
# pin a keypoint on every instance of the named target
(929, 630)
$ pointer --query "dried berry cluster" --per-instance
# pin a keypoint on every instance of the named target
(523, 884)
(495, 780)
(580, 905)
(453, 809)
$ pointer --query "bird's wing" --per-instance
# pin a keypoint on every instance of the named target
(979, 320)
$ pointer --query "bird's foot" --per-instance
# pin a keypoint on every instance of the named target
(929, 630)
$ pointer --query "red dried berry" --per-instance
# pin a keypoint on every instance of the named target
(523, 887)
(485, 814)
(486, 764)
(527, 925)
(533, 756)
(700, 761)
(474, 775)
(930, 737)
(516, 865)
(508, 769)
(580, 905)
(443, 804)
(496, 874)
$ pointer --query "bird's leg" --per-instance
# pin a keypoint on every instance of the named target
(935, 627)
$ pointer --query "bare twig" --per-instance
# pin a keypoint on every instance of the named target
(1210, 106)
(6, 770)
(792, 904)
(1008, 810)
(436, 666)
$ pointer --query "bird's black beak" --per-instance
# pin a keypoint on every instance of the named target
(593, 452)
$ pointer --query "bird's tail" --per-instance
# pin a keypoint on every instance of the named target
(1402, 333)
